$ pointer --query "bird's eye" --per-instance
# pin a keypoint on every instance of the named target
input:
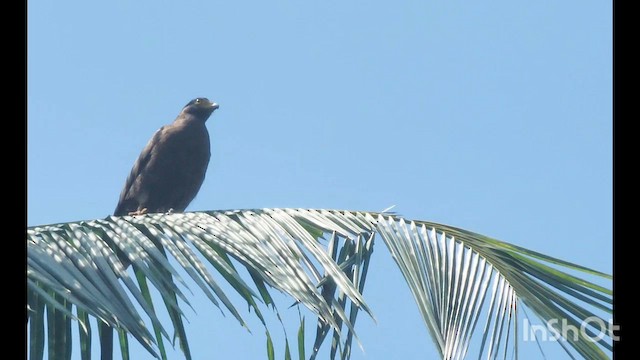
(198, 101)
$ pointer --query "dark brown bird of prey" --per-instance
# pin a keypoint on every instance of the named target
(171, 168)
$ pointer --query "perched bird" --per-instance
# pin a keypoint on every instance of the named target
(171, 168)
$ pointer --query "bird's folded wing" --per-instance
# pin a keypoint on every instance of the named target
(127, 201)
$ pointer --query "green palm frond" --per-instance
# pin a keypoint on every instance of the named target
(451, 272)
(459, 279)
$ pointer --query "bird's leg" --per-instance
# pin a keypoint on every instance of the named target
(138, 212)
(170, 211)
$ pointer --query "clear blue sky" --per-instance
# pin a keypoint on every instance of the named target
(494, 117)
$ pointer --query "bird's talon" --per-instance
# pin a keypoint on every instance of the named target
(138, 212)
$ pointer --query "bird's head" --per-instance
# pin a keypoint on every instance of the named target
(200, 107)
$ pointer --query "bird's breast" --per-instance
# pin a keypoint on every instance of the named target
(189, 147)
